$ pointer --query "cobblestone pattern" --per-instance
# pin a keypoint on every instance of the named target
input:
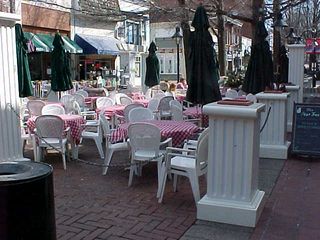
(91, 206)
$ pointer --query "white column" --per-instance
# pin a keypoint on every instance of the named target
(233, 164)
(10, 138)
(273, 141)
(296, 62)
(294, 98)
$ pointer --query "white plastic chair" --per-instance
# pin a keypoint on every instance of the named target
(148, 94)
(35, 107)
(241, 93)
(164, 107)
(176, 113)
(117, 97)
(191, 165)
(50, 133)
(80, 99)
(110, 147)
(125, 100)
(128, 108)
(53, 109)
(26, 136)
(82, 92)
(144, 141)
(104, 102)
(153, 106)
(176, 103)
(251, 98)
(159, 95)
(94, 135)
(140, 114)
(231, 93)
(67, 101)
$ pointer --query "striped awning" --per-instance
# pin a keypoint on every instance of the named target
(35, 44)
(69, 45)
(98, 44)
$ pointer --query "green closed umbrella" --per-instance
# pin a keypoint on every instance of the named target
(24, 77)
(259, 74)
(60, 66)
(203, 72)
(152, 67)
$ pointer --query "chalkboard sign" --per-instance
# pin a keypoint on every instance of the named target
(306, 129)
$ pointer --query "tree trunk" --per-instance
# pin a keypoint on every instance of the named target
(256, 7)
(221, 40)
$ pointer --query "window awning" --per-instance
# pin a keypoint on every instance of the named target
(98, 44)
(69, 45)
(38, 45)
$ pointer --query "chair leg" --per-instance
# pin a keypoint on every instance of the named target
(175, 181)
(131, 175)
(194, 180)
(64, 157)
(99, 146)
(107, 160)
(34, 146)
(159, 170)
(163, 184)
(39, 154)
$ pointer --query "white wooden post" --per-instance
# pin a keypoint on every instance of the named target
(10, 135)
(296, 63)
(233, 164)
(273, 139)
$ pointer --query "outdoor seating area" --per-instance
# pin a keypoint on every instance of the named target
(138, 119)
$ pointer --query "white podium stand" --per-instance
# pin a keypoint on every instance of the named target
(273, 142)
(294, 97)
(233, 161)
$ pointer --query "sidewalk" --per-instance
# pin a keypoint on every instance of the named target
(92, 206)
(291, 211)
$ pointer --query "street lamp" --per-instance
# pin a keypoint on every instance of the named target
(177, 37)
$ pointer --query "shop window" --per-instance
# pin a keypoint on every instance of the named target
(133, 33)
(168, 63)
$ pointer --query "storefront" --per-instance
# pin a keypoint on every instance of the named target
(99, 58)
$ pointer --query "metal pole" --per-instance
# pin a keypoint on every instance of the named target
(178, 63)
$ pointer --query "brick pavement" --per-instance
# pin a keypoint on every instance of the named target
(92, 206)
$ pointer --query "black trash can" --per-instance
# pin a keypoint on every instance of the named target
(26, 201)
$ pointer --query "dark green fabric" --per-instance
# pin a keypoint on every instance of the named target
(60, 66)
(203, 67)
(24, 77)
(152, 67)
(284, 65)
(259, 74)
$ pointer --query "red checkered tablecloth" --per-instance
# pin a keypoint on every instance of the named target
(177, 130)
(111, 111)
(196, 112)
(75, 123)
(144, 102)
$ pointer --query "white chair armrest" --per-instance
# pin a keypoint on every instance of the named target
(168, 142)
